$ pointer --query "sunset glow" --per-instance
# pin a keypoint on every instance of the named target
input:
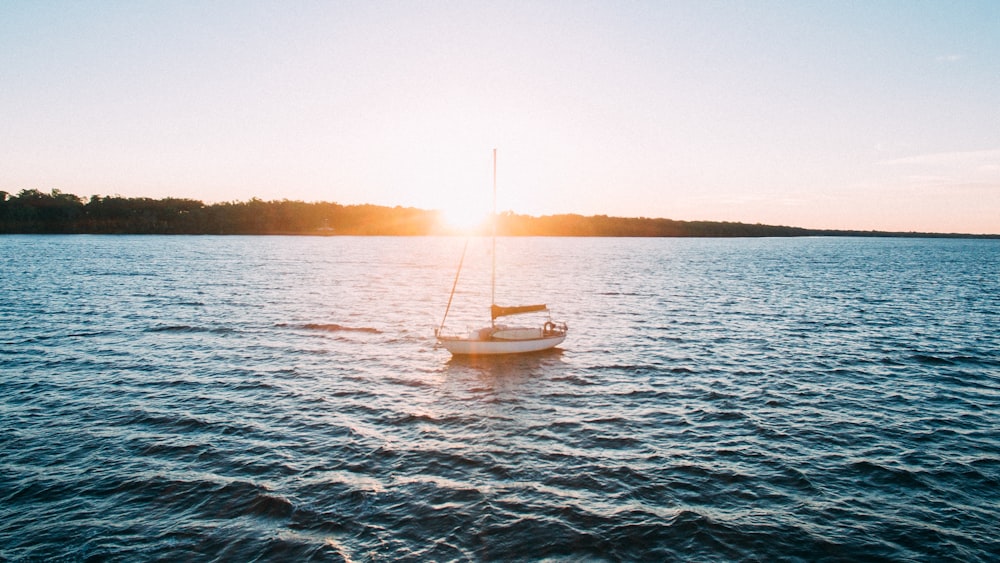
(855, 116)
(463, 220)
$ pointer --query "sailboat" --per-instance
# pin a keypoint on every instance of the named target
(499, 338)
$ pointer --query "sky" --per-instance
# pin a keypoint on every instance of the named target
(877, 115)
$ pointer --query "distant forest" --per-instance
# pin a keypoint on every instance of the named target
(36, 212)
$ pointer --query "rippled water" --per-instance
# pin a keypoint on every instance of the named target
(260, 398)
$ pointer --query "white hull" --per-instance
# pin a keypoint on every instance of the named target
(475, 347)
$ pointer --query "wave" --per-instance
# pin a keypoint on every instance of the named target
(332, 327)
(879, 474)
(190, 329)
(930, 360)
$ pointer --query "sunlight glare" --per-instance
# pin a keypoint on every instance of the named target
(464, 219)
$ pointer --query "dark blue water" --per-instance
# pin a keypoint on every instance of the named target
(280, 398)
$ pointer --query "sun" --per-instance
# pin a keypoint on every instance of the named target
(463, 219)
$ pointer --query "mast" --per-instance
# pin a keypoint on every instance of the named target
(493, 275)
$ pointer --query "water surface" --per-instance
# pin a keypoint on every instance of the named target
(255, 398)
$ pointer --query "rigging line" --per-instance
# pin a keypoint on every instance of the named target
(453, 286)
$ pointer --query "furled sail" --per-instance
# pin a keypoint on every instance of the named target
(499, 311)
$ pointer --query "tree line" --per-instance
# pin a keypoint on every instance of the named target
(32, 211)
(35, 212)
